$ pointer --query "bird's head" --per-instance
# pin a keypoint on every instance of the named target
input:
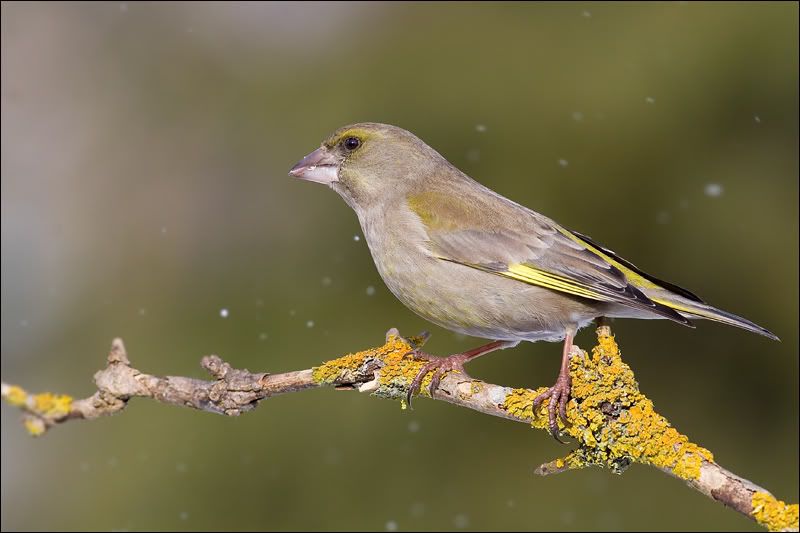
(369, 163)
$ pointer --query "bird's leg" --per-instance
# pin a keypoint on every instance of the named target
(452, 362)
(558, 393)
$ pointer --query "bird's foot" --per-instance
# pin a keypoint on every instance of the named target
(559, 395)
(454, 362)
(440, 366)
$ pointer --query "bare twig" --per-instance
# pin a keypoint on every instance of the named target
(613, 423)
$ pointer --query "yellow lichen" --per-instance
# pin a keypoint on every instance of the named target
(400, 371)
(573, 461)
(612, 420)
(52, 405)
(774, 514)
(46, 404)
(34, 426)
(398, 367)
(15, 395)
(336, 369)
(519, 404)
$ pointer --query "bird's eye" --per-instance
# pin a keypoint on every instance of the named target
(351, 143)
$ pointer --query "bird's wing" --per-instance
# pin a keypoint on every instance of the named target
(535, 250)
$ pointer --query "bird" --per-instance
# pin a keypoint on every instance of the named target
(467, 259)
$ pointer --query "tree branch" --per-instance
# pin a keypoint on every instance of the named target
(613, 423)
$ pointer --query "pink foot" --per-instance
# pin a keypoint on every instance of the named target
(559, 396)
(440, 366)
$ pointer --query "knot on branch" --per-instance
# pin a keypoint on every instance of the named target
(215, 366)
(235, 390)
(118, 353)
(115, 384)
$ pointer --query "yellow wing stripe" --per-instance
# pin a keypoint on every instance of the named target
(540, 278)
(548, 280)
(678, 307)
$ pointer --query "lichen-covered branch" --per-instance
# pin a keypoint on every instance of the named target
(612, 422)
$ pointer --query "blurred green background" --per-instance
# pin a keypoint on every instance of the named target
(145, 150)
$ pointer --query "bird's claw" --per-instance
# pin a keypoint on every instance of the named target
(559, 395)
(440, 366)
(416, 355)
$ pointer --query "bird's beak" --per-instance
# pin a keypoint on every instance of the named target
(320, 166)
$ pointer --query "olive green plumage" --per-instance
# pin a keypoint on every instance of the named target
(465, 258)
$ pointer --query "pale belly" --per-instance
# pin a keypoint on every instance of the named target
(474, 302)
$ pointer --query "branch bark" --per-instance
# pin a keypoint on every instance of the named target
(612, 422)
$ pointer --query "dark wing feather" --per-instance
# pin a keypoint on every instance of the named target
(660, 282)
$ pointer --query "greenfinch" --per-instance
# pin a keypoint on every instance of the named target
(472, 261)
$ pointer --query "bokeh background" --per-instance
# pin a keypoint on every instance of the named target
(145, 150)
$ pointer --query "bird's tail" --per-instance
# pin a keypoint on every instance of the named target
(692, 309)
(684, 302)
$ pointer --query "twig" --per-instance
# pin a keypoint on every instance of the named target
(613, 423)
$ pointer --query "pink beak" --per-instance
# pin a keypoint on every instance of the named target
(319, 166)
